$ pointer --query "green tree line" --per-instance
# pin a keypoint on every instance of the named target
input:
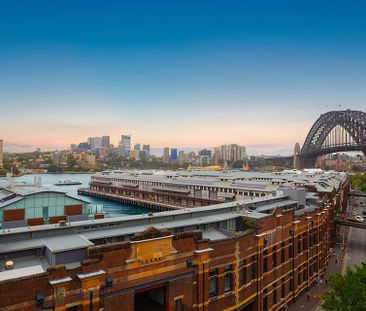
(359, 182)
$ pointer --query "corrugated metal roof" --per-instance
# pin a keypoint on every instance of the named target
(66, 242)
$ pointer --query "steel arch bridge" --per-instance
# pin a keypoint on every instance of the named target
(334, 131)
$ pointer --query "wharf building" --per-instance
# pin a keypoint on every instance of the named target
(24, 205)
(255, 253)
(162, 191)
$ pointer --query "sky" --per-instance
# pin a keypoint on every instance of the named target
(177, 73)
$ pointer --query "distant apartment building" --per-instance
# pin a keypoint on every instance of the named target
(106, 142)
(231, 153)
(83, 147)
(137, 147)
(58, 157)
(146, 148)
(102, 153)
(166, 155)
(73, 147)
(125, 146)
(95, 142)
(174, 155)
(1, 153)
(204, 156)
(182, 157)
(86, 159)
(135, 154)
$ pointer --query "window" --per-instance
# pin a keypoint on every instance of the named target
(299, 278)
(274, 257)
(311, 268)
(243, 272)
(299, 244)
(228, 282)
(283, 250)
(252, 268)
(45, 212)
(252, 271)
(228, 268)
(291, 250)
(291, 284)
(283, 288)
(213, 287)
(274, 294)
(305, 242)
(265, 300)
(213, 282)
(178, 305)
(265, 261)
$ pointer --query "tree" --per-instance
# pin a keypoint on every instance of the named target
(347, 292)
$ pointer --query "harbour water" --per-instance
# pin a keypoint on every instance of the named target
(112, 209)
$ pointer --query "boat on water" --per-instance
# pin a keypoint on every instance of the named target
(67, 182)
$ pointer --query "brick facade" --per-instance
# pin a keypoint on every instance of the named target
(257, 269)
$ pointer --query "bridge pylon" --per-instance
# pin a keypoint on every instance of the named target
(297, 165)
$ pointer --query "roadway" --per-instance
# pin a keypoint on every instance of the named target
(350, 248)
(356, 244)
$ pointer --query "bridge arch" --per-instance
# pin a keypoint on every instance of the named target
(334, 131)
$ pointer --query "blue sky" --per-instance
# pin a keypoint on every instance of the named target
(187, 74)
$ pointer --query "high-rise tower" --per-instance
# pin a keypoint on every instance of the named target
(125, 145)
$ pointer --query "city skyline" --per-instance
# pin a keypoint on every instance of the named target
(173, 76)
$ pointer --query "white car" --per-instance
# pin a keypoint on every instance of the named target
(359, 218)
(354, 213)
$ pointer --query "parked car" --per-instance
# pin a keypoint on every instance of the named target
(359, 218)
(364, 213)
(354, 213)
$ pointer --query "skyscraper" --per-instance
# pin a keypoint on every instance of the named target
(174, 154)
(1, 153)
(95, 142)
(125, 145)
(106, 142)
(166, 156)
(137, 147)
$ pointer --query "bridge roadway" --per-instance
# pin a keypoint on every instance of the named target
(350, 223)
(357, 194)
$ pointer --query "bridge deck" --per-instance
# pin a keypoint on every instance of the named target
(350, 223)
(357, 194)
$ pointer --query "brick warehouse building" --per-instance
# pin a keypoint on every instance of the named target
(254, 255)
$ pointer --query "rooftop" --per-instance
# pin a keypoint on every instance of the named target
(324, 181)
